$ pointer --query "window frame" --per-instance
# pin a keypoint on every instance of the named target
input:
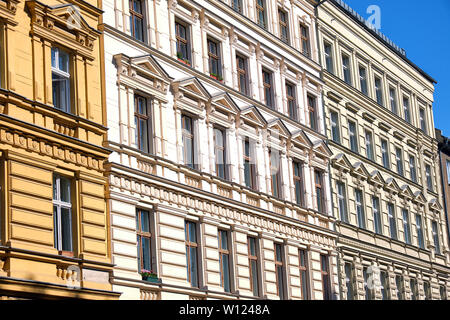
(312, 111)
(346, 68)
(319, 185)
(188, 245)
(243, 87)
(304, 274)
(385, 153)
(420, 233)
(188, 135)
(214, 58)
(252, 183)
(254, 259)
(144, 117)
(353, 136)
(329, 63)
(360, 214)
(305, 40)
(406, 226)
(363, 80)
(60, 204)
(275, 178)
(342, 200)
(224, 252)
(142, 234)
(183, 41)
(268, 88)
(349, 281)
(335, 127)
(291, 99)
(223, 150)
(377, 215)
(284, 25)
(66, 75)
(298, 181)
(260, 6)
(399, 161)
(325, 276)
(140, 16)
(280, 268)
(370, 150)
(393, 100)
(379, 94)
(393, 230)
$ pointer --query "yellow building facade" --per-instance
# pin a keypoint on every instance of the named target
(53, 226)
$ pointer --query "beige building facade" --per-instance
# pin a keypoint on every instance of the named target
(386, 182)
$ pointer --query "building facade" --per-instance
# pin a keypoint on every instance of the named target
(53, 222)
(444, 160)
(386, 189)
(219, 178)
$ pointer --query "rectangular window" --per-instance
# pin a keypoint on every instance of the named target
(220, 153)
(261, 13)
(326, 281)
(242, 68)
(429, 177)
(377, 215)
(305, 42)
(400, 287)
(298, 183)
(144, 240)
(275, 173)
(190, 231)
(443, 292)
(268, 89)
(61, 79)
(413, 287)
(335, 133)
(393, 100)
(183, 42)
(392, 221)
(437, 247)
(406, 226)
(224, 260)
(137, 11)
(283, 18)
(399, 160)
(253, 258)
(62, 215)
(279, 266)
(320, 194)
(353, 136)
(328, 49)
(412, 168)
(237, 5)
(360, 209)
(291, 101)
(367, 288)
(406, 110)
(379, 90)
(188, 140)
(369, 146)
(214, 59)
(385, 153)
(448, 171)
(142, 123)
(419, 229)
(349, 280)
(342, 202)
(346, 69)
(423, 120)
(312, 110)
(384, 285)
(304, 273)
(249, 165)
(363, 79)
(427, 290)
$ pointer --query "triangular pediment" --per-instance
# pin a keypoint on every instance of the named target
(406, 191)
(148, 65)
(391, 184)
(192, 86)
(419, 197)
(301, 139)
(435, 205)
(321, 149)
(376, 177)
(252, 115)
(360, 169)
(341, 161)
(277, 127)
(70, 14)
(225, 102)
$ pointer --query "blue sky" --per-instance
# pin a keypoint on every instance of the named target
(422, 28)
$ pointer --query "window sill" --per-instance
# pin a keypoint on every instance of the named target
(186, 62)
(66, 254)
(152, 279)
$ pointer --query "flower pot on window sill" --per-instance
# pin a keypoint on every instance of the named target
(186, 62)
(216, 77)
(153, 279)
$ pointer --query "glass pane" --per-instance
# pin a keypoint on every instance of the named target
(193, 264)
(280, 281)
(252, 245)
(145, 221)
(65, 189)
(63, 61)
(61, 92)
(226, 272)
(224, 240)
(138, 242)
(192, 233)
(146, 250)
(143, 135)
(55, 188)
(55, 226)
(54, 54)
(278, 253)
(66, 229)
(255, 278)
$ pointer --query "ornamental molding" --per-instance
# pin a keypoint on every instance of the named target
(8, 9)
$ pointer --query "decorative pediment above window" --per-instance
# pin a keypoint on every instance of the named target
(322, 150)
(376, 178)
(278, 129)
(419, 197)
(222, 102)
(342, 163)
(63, 24)
(300, 139)
(8, 10)
(190, 95)
(435, 206)
(407, 192)
(360, 170)
(392, 185)
(253, 117)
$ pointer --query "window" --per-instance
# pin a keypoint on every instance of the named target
(325, 271)
(137, 19)
(419, 229)
(144, 240)
(384, 285)
(183, 45)
(304, 35)
(224, 260)
(363, 79)
(253, 263)
(406, 110)
(393, 100)
(335, 134)
(385, 153)
(412, 168)
(437, 247)
(298, 182)
(360, 209)
(312, 109)
(367, 289)
(400, 287)
(188, 140)
(261, 13)
(249, 165)
(279, 266)
(429, 178)
(241, 64)
(62, 214)
(283, 20)
(392, 221)
(427, 290)
(353, 136)
(237, 5)
(220, 153)
(275, 173)
(329, 57)
(379, 90)
(268, 88)
(413, 287)
(448, 171)
(342, 202)
(349, 280)
(61, 79)
(190, 231)
(215, 66)
(320, 193)
(378, 226)
(423, 120)
(369, 146)
(406, 226)
(346, 69)
(399, 159)
(292, 104)
(304, 273)
(142, 123)
(443, 292)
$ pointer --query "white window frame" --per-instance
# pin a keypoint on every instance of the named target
(58, 204)
(66, 75)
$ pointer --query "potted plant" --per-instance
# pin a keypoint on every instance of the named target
(216, 76)
(181, 59)
(148, 275)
